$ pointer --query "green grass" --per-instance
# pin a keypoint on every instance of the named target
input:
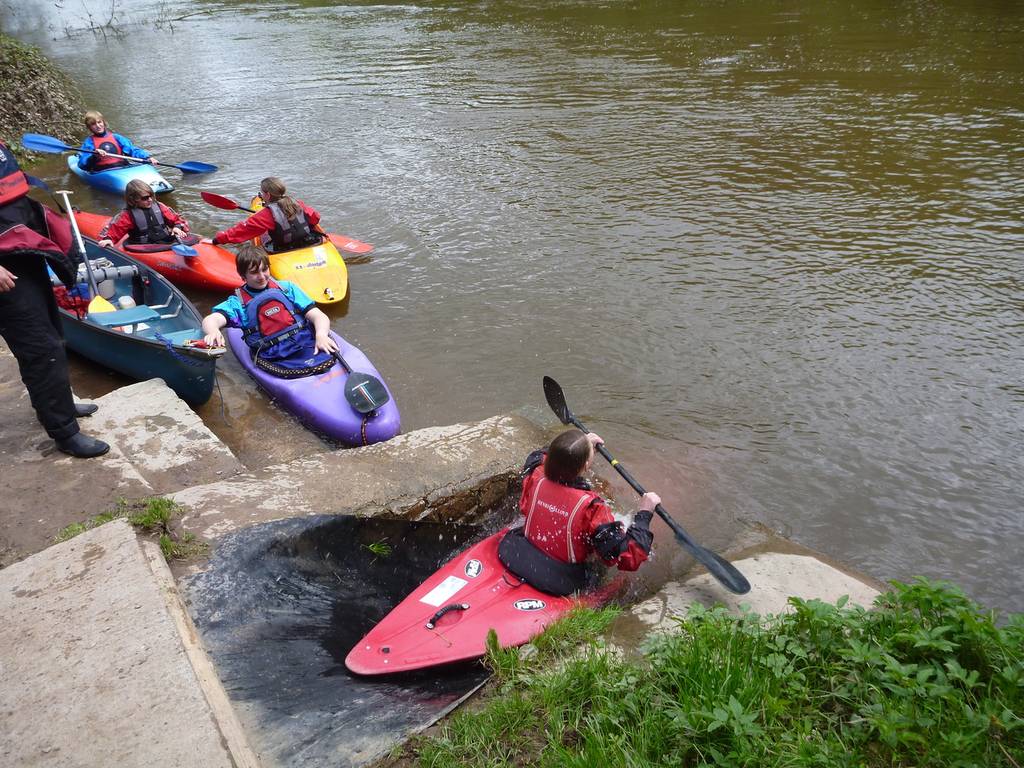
(154, 516)
(927, 678)
(379, 548)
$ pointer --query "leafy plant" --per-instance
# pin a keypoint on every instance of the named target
(926, 678)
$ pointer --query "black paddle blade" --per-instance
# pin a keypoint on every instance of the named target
(365, 393)
(556, 401)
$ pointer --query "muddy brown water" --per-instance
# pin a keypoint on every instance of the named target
(773, 252)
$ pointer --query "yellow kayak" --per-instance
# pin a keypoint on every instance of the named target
(318, 270)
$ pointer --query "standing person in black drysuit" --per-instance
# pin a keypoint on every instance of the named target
(31, 235)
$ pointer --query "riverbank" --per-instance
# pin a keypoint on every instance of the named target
(36, 96)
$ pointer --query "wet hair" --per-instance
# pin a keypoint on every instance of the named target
(273, 191)
(249, 257)
(92, 116)
(135, 190)
(567, 456)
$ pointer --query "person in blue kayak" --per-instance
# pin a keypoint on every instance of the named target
(287, 333)
(566, 521)
(145, 220)
(283, 223)
(32, 237)
(104, 143)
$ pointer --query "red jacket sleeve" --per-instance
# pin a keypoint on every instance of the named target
(259, 223)
(117, 227)
(614, 545)
(173, 218)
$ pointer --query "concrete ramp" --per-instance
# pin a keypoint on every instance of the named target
(773, 576)
(100, 666)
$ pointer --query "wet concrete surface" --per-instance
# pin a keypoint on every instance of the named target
(281, 604)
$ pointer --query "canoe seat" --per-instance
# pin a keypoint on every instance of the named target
(132, 316)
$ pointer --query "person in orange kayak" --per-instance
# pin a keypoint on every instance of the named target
(104, 142)
(282, 224)
(144, 220)
(566, 520)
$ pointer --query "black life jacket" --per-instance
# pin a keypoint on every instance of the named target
(289, 234)
(13, 183)
(270, 316)
(148, 225)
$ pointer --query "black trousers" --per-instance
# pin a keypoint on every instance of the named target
(30, 324)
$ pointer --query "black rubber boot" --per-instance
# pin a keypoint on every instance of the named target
(83, 446)
(85, 409)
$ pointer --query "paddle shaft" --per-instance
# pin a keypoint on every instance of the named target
(37, 142)
(81, 243)
(183, 167)
(662, 513)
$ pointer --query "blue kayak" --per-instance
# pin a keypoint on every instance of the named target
(116, 179)
(151, 333)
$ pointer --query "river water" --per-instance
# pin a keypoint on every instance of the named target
(772, 251)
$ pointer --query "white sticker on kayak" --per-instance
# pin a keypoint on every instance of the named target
(528, 604)
(474, 568)
(443, 592)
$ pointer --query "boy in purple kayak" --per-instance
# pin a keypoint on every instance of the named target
(288, 335)
(104, 143)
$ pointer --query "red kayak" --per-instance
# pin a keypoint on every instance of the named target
(447, 618)
(212, 268)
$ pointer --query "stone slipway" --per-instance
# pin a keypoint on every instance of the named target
(774, 577)
(158, 445)
(459, 472)
(100, 664)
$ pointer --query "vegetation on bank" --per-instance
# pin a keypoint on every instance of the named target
(926, 678)
(35, 97)
(154, 516)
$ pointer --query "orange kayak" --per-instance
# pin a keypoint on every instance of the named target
(211, 269)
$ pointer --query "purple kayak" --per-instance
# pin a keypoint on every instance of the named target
(319, 402)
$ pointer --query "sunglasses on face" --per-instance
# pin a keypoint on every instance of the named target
(145, 197)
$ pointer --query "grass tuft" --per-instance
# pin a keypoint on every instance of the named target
(153, 516)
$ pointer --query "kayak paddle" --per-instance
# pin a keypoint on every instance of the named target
(341, 242)
(97, 303)
(726, 573)
(37, 142)
(364, 392)
(224, 203)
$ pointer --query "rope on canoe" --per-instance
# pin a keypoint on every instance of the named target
(173, 352)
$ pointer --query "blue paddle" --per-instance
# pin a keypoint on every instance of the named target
(37, 142)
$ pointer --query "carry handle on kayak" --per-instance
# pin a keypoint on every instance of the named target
(447, 609)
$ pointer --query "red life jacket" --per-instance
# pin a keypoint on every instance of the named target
(556, 519)
(108, 143)
(269, 315)
(13, 183)
(20, 237)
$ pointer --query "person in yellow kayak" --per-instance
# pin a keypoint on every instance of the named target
(286, 332)
(104, 142)
(282, 224)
